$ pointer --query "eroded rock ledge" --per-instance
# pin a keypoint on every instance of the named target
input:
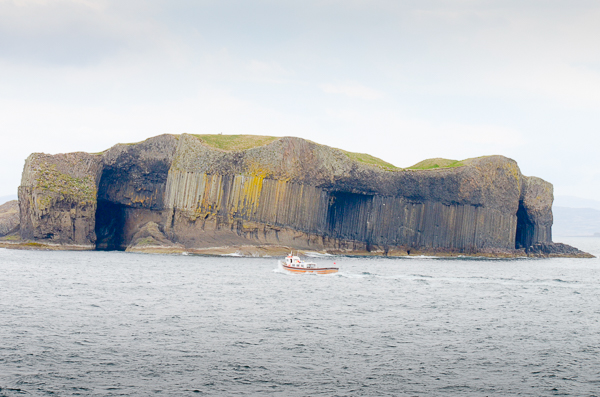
(178, 193)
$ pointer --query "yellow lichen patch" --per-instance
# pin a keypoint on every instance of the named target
(251, 193)
(43, 202)
(137, 200)
(513, 169)
(258, 172)
(209, 198)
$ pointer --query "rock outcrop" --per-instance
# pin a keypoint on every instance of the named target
(556, 250)
(180, 192)
(151, 237)
(9, 218)
(58, 196)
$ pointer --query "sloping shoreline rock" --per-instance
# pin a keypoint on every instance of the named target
(555, 250)
(178, 192)
(150, 238)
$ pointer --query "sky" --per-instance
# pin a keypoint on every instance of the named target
(401, 80)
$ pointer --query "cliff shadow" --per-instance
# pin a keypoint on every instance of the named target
(130, 194)
(348, 216)
(110, 226)
(525, 228)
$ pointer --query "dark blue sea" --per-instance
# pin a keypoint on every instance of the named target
(121, 324)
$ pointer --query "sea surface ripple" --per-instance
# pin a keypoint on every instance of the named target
(120, 324)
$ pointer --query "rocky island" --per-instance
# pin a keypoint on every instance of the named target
(261, 195)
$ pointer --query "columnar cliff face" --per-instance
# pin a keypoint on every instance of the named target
(177, 191)
(57, 198)
(297, 193)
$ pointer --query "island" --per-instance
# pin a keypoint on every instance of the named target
(260, 195)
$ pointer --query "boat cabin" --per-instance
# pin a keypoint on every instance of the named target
(294, 261)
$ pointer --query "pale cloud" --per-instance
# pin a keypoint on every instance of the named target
(95, 4)
(267, 68)
(581, 184)
(352, 90)
(495, 136)
(74, 32)
(268, 72)
(403, 81)
(573, 86)
(519, 52)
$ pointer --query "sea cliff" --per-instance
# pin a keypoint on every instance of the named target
(259, 195)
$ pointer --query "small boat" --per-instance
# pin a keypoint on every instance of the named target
(295, 265)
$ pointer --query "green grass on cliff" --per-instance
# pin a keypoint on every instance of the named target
(243, 142)
(371, 160)
(430, 164)
(80, 189)
(235, 142)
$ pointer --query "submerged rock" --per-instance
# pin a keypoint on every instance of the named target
(193, 193)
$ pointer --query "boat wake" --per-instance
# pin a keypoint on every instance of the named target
(234, 254)
(312, 254)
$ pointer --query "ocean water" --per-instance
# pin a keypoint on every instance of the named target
(119, 324)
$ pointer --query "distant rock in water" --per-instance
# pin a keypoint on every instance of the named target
(203, 193)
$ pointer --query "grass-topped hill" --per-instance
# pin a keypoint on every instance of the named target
(436, 163)
(243, 142)
(371, 160)
(235, 142)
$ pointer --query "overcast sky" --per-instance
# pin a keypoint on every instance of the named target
(402, 80)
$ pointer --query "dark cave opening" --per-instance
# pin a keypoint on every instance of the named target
(525, 228)
(348, 216)
(110, 226)
(128, 188)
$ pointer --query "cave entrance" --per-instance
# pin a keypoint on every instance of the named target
(110, 226)
(348, 216)
(525, 228)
